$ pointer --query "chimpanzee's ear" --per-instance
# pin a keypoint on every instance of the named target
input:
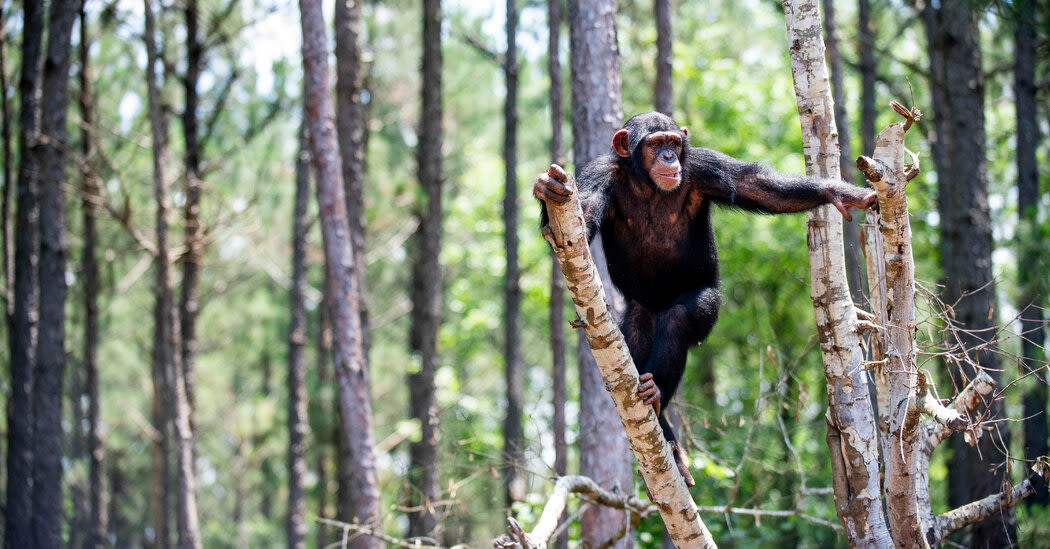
(685, 131)
(621, 144)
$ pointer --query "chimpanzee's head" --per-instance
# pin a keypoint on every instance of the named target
(655, 147)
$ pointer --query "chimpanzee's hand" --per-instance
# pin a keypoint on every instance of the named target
(649, 392)
(551, 186)
(846, 197)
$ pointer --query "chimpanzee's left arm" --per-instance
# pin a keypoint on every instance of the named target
(754, 187)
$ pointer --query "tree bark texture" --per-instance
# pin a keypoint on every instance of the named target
(167, 358)
(426, 312)
(1031, 254)
(568, 236)
(355, 405)
(21, 323)
(966, 245)
(850, 229)
(887, 173)
(193, 259)
(852, 437)
(596, 116)
(515, 481)
(91, 194)
(557, 299)
(662, 89)
(50, 355)
(352, 127)
(298, 426)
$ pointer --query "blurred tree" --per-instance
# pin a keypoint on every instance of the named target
(352, 377)
(21, 323)
(426, 284)
(557, 290)
(596, 115)
(51, 335)
(298, 426)
(966, 247)
(664, 58)
(1030, 268)
(9, 182)
(91, 194)
(513, 434)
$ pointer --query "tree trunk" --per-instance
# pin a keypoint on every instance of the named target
(91, 194)
(298, 427)
(426, 284)
(850, 229)
(1030, 245)
(352, 377)
(22, 322)
(9, 182)
(352, 126)
(50, 356)
(557, 302)
(596, 115)
(515, 482)
(966, 247)
(189, 299)
(664, 98)
(851, 437)
(866, 47)
(166, 339)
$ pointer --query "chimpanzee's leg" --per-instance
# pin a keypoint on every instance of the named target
(637, 329)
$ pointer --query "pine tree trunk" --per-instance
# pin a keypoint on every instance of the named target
(22, 321)
(966, 247)
(596, 115)
(352, 125)
(426, 282)
(664, 98)
(50, 358)
(852, 437)
(166, 354)
(91, 194)
(340, 272)
(193, 259)
(515, 483)
(298, 427)
(1030, 244)
(557, 300)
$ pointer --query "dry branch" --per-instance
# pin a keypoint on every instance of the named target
(568, 237)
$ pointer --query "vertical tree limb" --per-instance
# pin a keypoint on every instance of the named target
(851, 436)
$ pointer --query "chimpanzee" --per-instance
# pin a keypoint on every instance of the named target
(651, 200)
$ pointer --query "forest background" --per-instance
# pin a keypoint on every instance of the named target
(753, 399)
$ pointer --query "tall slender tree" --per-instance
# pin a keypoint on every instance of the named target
(513, 433)
(50, 355)
(352, 128)
(557, 303)
(167, 357)
(1031, 247)
(21, 325)
(966, 246)
(664, 59)
(9, 182)
(193, 259)
(90, 195)
(355, 404)
(866, 52)
(596, 114)
(426, 281)
(295, 524)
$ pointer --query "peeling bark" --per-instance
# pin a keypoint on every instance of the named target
(852, 437)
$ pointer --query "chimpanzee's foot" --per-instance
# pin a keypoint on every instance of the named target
(682, 461)
(649, 392)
